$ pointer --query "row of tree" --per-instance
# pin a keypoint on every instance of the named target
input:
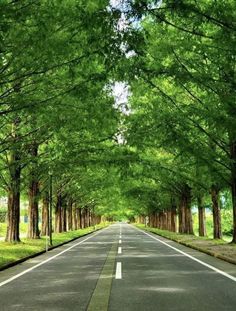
(183, 114)
(57, 112)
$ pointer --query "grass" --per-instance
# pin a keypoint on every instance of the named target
(11, 252)
(179, 237)
(3, 229)
(226, 225)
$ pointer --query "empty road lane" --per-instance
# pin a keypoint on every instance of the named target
(120, 268)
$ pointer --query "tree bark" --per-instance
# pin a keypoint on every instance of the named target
(188, 214)
(233, 185)
(58, 211)
(69, 214)
(201, 217)
(33, 194)
(185, 213)
(168, 213)
(82, 222)
(79, 218)
(217, 233)
(13, 214)
(173, 215)
(45, 214)
(182, 211)
(64, 218)
(74, 217)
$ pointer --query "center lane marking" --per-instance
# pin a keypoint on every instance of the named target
(119, 250)
(118, 271)
(120, 241)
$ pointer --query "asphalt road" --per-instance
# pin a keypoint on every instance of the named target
(120, 268)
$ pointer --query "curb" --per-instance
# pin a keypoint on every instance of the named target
(17, 262)
(202, 250)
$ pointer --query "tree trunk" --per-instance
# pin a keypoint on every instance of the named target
(185, 213)
(69, 214)
(86, 218)
(74, 217)
(33, 212)
(33, 194)
(233, 185)
(182, 210)
(45, 214)
(64, 218)
(90, 217)
(79, 218)
(173, 215)
(58, 211)
(168, 220)
(13, 214)
(188, 213)
(201, 217)
(82, 223)
(217, 233)
(158, 220)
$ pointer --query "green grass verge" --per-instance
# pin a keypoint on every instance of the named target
(3, 229)
(178, 237)
(11, 252)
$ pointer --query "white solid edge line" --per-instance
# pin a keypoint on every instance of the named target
(119, 250)
(47, 260)
(118, 271)
(120, 241)
(191, 257)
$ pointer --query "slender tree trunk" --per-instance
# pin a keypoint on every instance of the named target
(33, 194)
(158, 220)
(201, 217)
(64, 218)
(185, 212)
(69, 214)
(45, 214)
(188, 212)
(233, 185)
(79, 218)
(58, 211)
(33, 212)
(182, 210)
(216, 212)
(189, 221)
(82, 223)
(13, 214)
(168, 213)
(74, 217)
(86, 217)
(90, 217)
(173, 215)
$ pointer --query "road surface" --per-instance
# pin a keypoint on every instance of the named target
(120, 268)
